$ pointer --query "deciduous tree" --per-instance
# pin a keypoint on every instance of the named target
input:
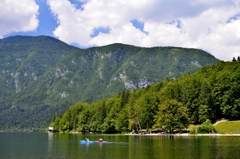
(172, 115)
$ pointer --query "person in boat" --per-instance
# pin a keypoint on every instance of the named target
(86, 139)
(100, 140)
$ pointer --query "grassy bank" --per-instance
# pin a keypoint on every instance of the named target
(228, 127)
(221, 127)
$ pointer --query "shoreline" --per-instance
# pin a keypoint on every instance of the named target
(156, 134)
(184, 134)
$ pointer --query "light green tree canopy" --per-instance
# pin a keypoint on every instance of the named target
(172, 115)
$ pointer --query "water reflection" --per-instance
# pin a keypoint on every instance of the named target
(143, 147)
(50, 144)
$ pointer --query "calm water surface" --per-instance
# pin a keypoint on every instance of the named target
(67, 146)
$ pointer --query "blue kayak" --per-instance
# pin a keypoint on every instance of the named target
(86, 142)
(91, 142)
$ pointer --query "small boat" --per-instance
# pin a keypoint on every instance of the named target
(86, 142)
(91, 142)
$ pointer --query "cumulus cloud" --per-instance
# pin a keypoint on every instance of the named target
(18, 16)
(209, 25)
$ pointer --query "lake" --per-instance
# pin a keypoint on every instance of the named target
(67, 146)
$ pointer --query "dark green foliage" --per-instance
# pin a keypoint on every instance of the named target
(43, 73)
(211, 93)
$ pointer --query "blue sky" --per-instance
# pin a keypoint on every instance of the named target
(213, 26)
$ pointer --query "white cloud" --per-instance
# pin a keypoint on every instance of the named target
(18, 16)
(224, 41)
(199, 24)
(120, 35)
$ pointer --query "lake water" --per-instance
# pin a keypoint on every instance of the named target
(67, 146)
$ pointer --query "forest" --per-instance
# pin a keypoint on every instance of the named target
(210, 94)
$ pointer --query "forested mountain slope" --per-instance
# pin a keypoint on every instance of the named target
(42, 76)
(210, 94)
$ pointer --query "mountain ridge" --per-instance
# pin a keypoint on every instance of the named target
(45, 74)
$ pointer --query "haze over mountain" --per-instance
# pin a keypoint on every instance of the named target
(41, 76)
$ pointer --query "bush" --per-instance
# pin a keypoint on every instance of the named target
(192, 129)
(206, 127)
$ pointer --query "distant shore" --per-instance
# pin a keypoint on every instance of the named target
(184, 134)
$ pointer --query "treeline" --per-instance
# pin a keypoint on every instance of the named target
(27, 120)
(210, 94)
(236, 60)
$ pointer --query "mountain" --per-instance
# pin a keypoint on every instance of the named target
(42, 76)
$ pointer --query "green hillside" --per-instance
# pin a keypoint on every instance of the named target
(212, 93)
(42, 76)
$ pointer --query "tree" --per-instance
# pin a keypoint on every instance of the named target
(146, 108)
(205, 109)
(190, 97)
(121, 122)
(172, 115)
(234, 60)
(230, 105)
(226, 94)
